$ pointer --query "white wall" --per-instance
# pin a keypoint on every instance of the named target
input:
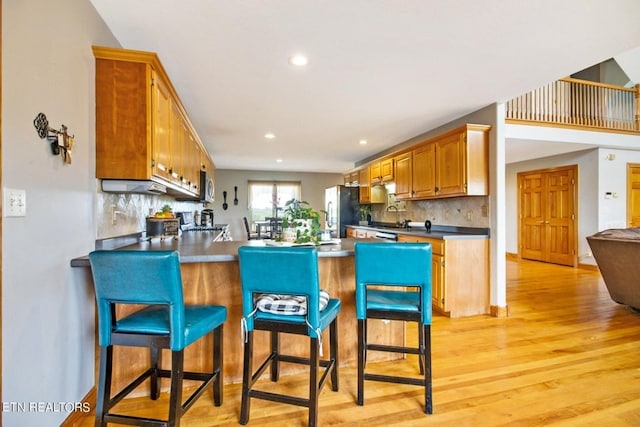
(47, 308)
(596, 175)
(313, 186)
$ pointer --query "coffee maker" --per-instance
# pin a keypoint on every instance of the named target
(206, 218)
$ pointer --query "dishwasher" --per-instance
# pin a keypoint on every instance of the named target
(381, 235)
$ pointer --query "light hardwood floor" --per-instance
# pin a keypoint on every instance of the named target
(566, 355)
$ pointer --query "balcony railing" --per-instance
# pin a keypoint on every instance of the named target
(579, 104)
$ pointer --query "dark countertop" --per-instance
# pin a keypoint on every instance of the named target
(198, 247)
(445, 232)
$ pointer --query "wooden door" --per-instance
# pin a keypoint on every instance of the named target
(547, 215)
(633, 195)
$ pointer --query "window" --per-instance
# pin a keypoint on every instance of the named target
(267, 198)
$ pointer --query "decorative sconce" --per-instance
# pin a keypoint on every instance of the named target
(60, 140)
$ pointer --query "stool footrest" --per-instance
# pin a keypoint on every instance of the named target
(281, 398)
(395, 379)
(393, 349)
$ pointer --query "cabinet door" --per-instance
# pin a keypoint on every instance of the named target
(403, 176)
(451, 165)
(178, 127)
(161, 129)
(365, 189)
(438, 289)
(424, 171)
(375, 175)
(386, 170)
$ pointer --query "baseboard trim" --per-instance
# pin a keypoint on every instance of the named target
(77, 417)
(497, 311)
(589, 267)
(512, 257)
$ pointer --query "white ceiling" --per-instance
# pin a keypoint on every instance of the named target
(380, 70)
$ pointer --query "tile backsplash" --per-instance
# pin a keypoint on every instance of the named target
(123, 214)
(470, 211)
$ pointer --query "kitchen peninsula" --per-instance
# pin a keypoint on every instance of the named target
(211, 275)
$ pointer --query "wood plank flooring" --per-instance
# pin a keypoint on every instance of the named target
(566, 355)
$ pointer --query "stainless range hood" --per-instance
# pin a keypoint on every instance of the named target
(132, 186)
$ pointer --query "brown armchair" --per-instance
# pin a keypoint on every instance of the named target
(617, 253)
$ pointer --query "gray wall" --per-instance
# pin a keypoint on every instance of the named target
(47, 308)
(313, 186)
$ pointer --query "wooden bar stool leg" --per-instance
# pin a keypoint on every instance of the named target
(104, 384)
(275, 351)
(428, 397)
(333, 343)
(156, 362)
(218, 335)
(247, 379)
(362, 349)
(175, 399)
(314, 367)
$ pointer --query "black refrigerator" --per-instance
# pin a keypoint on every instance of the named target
(343, 208)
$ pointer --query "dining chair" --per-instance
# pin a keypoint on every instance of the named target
(393, 282)
(152, 279)
(250, 235)
(281, 295)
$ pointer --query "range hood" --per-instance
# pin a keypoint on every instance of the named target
(132, 186)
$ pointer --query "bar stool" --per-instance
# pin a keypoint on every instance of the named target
(273, 272)
(393, 282)
(153, 279)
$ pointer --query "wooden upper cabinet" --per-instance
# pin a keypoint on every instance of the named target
(381, 172)
(365, 189)
(142, 129)
(451, 165)
(403, 175)
(424, 171)
(462, 162)
(455, 163)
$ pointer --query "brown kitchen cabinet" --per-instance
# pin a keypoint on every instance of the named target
(459, 274)
(381, 171)
(352, 179)
(462, 162)
(452, 164)
(365, 186)
(142, 129)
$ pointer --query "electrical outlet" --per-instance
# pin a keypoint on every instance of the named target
(15, 202)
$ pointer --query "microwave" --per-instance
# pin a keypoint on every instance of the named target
(206, 187)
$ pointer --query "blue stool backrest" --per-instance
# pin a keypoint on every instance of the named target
(276, 270)
(138, 277)
(393, 264)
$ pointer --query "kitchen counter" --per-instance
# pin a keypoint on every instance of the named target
(445, 232)
(200, 247)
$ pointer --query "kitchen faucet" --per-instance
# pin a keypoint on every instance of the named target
(397, 213)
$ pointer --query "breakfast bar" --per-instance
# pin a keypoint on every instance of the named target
(210, 275)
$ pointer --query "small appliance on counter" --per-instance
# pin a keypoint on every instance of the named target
(162, 227)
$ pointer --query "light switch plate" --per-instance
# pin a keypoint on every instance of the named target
(14, 202)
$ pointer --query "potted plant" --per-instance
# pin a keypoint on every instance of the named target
(300, 223)
(365, 214)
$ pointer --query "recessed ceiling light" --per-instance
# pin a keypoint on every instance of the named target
(269, 135)
(363, 142)
(278, 160)
(298, 60)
